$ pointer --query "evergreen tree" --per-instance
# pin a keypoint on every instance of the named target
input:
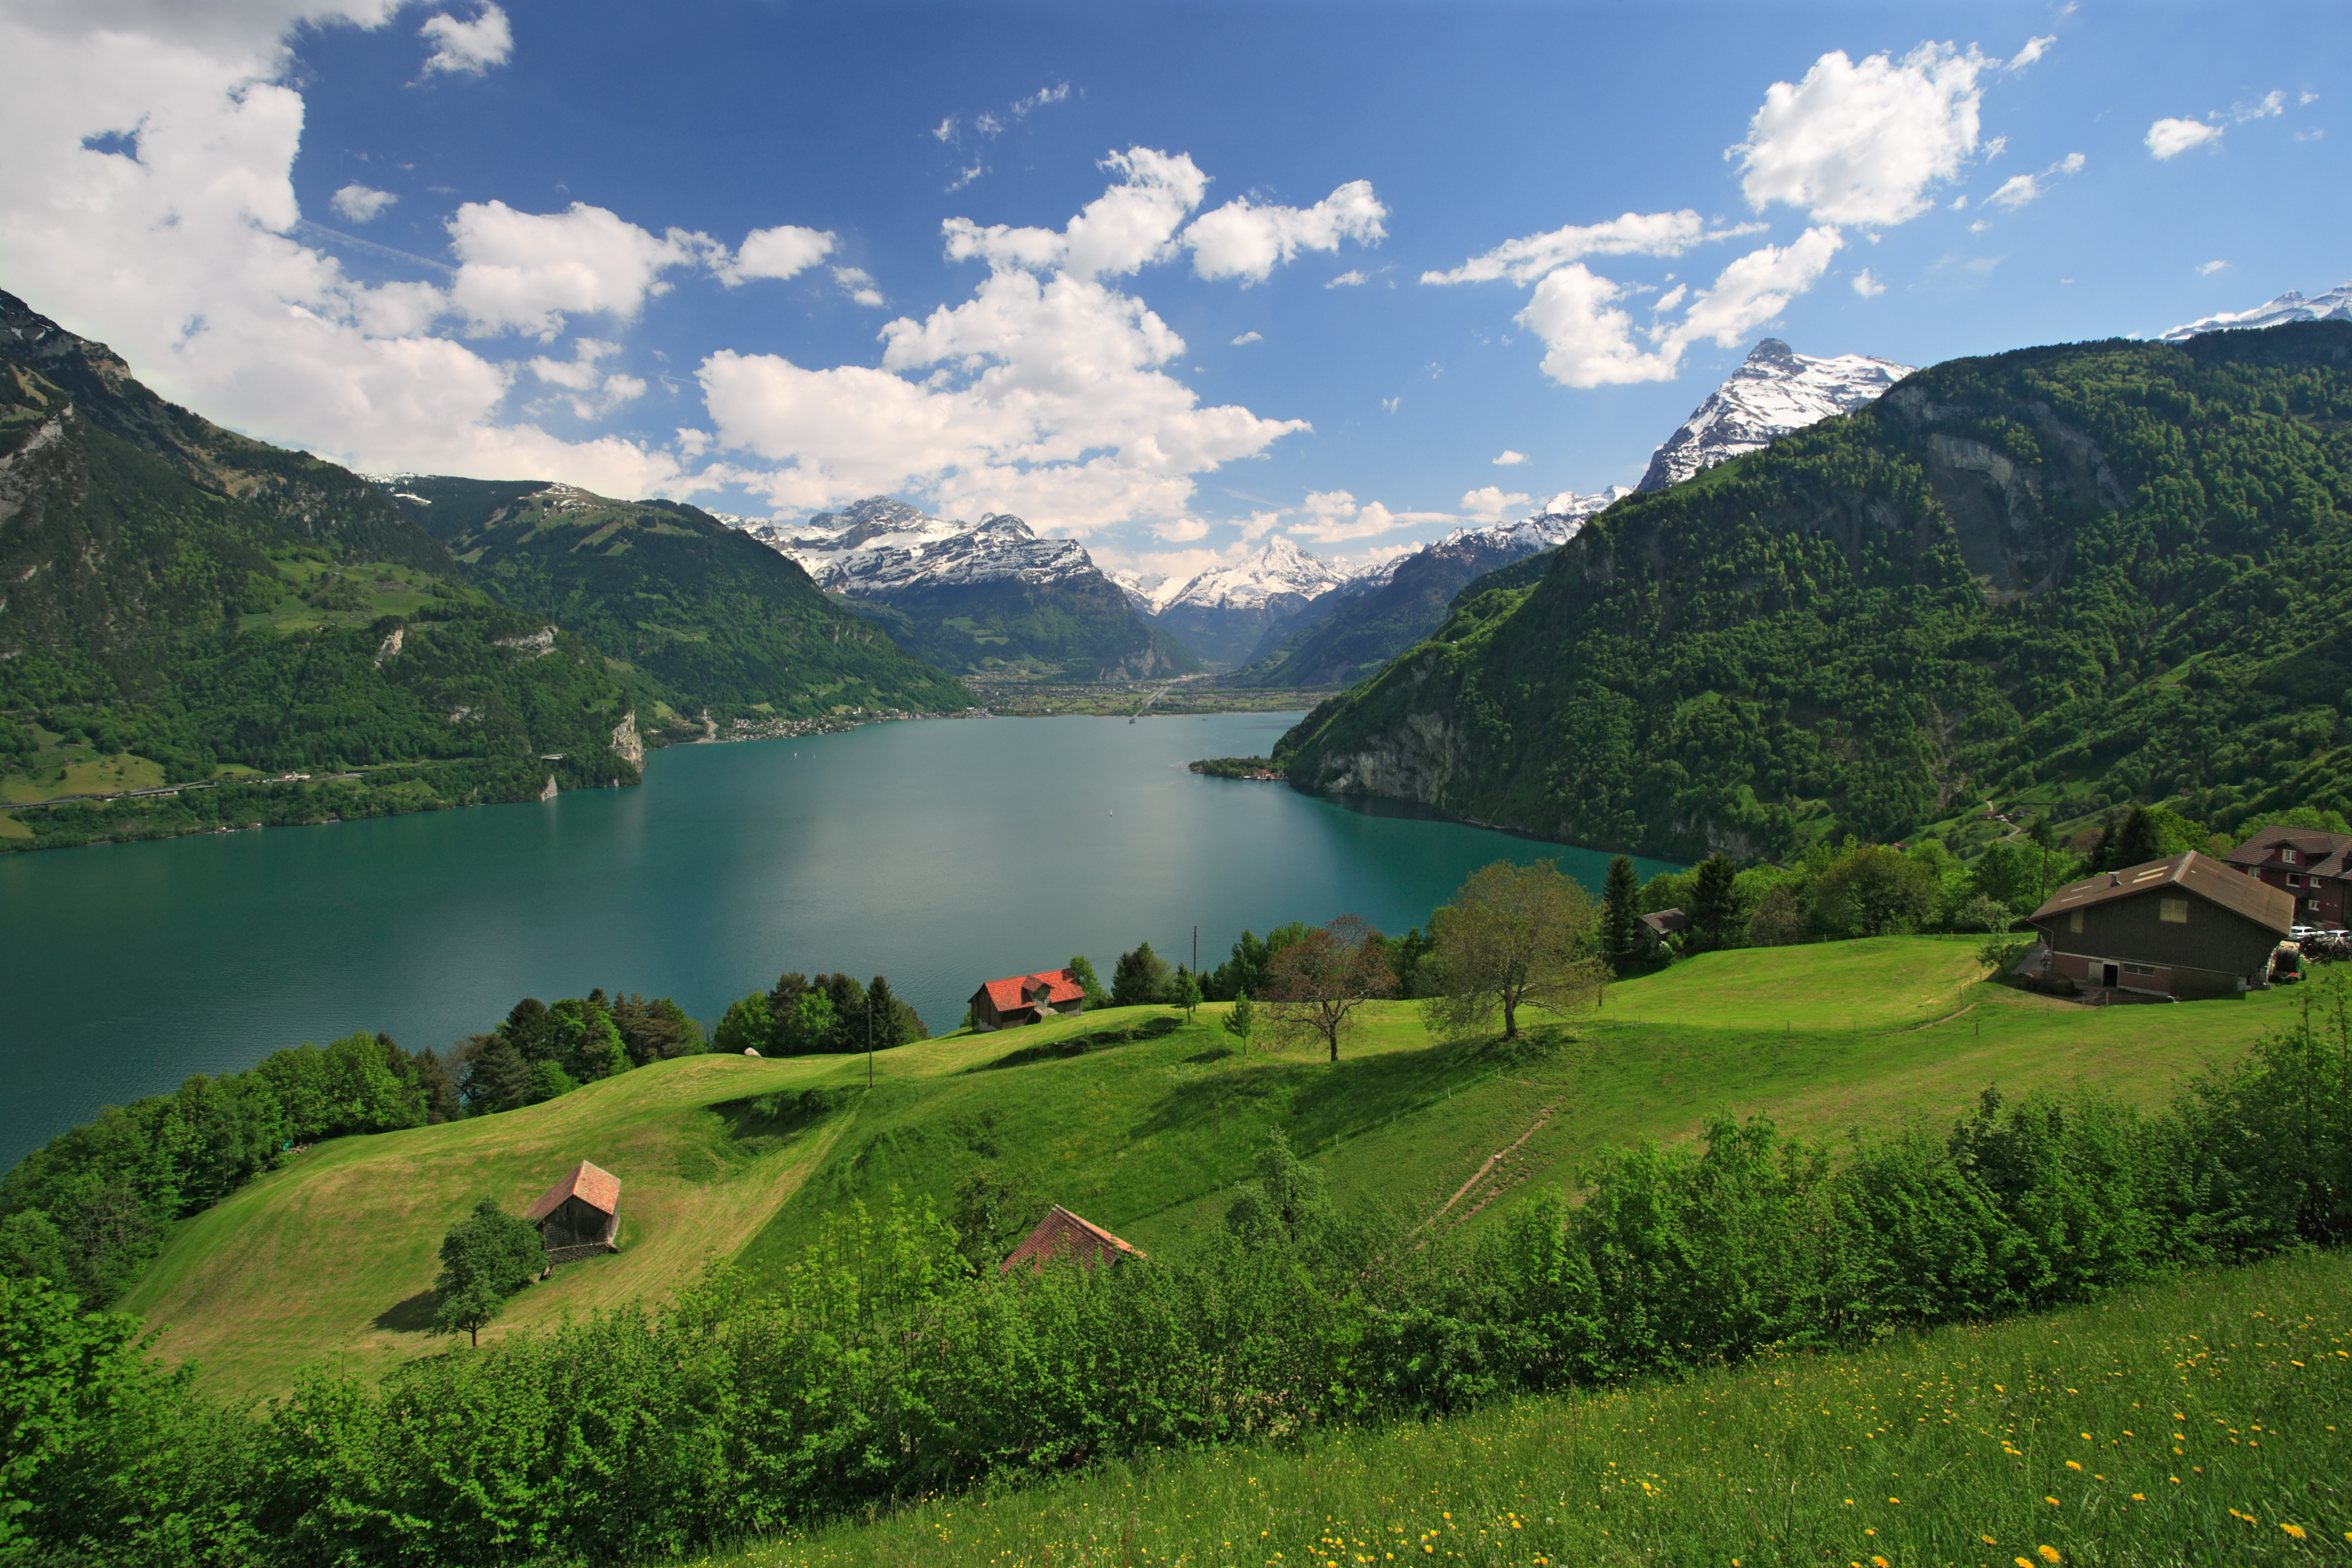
(1188, 992)
(497, 1077)
(1713, 905)
(526, 1030)
(435, 1082)
(1621, 907)
(849, 999)
(1084, 969)
(1240, 1020)
(1140, 978)
(882, 1006)
(486, 1258)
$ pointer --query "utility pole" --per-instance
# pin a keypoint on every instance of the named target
(869, 1042)
(1196, 950)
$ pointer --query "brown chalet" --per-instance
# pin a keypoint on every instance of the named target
(2186, 927)
(1061, 1234)
(1026, 999)
(2314, 870)
(579, 1216)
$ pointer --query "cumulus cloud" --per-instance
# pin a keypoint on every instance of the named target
(593, 391)
(1023, 108)
(359, 204)
(1354, 278)
(1335, 516)
(1510, 459)
(1248, 338)
(2033, 50)
(2171, 137)
(524, 272)
(1861, 142)
(1866, 286)
(2019, 189)
(1489, 502)
(859, 284)
(1634, 234)
(193, 260)
(786, 251)
(2208, 269)
(467, 48)
(1588, 342)
(1045, 394)
(1243, 239)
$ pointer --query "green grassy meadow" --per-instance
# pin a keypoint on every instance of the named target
(1140, 1122)
(2191, 1421)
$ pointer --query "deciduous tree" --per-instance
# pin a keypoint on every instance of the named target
(1315, 987)
(486, 1258)
(1515, 936)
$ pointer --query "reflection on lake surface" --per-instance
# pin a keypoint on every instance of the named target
(941, 854)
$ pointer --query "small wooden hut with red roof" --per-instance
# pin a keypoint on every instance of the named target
(1021, 999)
(1061, 1234)
(579, 1216)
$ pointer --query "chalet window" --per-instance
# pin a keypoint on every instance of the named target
(2294, 881)
(2139, 969)
(2175, 911)
(2311, 903)
(2286, 857)
(2074, 921)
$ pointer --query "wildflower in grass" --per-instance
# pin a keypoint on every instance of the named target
(2073, 1466)
(2048, 1553)
(2051, 1500)
(1989, 1541)
(2294, 1532)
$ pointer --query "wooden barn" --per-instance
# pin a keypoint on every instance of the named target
(2184, 927)
(580, 1216)
(1061, 1234)
(1021, 999)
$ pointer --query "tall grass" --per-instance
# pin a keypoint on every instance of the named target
(2193, 1422)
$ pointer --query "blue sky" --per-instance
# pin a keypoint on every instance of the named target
(519, 240)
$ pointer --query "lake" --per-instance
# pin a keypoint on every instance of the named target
(941, 854)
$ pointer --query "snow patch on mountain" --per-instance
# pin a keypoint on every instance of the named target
(2335, 305)
(1777, 390)
(879, 547)
(1280, 569)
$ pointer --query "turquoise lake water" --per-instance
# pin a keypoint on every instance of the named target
(941, 854)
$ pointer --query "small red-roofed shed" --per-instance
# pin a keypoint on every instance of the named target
(1021, 999)
(579, 1216)
(1061, 1234)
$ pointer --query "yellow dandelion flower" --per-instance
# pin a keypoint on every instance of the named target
(2073, 1466)
(2051, 1500)
(2022, 1562)
(2294, 1530)
(1878, 1562)
(2139, 1497)
(2048, 1553)
(1989, 1541)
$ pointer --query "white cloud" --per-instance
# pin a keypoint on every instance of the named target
(2307, 97)
(859, 284)
(1336, 515)
(1866, 286)
(2171, 137)
(945, 130)
(359, 204)
(1589, 342)
(1023, 108)
(1045, 394)
(2019, 189)
(2033, 50)
(1390, 404)
(468, 48)
(786, 251)
(189, 260)
(1510, 459)
(2210, 268)
(593, 391)
(1489, 502)
(525, 271)
(1354, 278)
(1634, 234)
(2270, 104)
(1248, 338)
(1861, 143)
(1244, 240)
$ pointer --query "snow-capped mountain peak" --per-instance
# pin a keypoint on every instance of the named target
(2335, 305)
(880, 546)
(1279, 569)
(1777, 390)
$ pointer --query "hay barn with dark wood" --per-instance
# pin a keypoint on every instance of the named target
(580, 1216)
(1021, 999)
(1061, 1234)
(2187, 927)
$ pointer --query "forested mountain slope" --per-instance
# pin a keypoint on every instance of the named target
(710, 616)
(182, 605)
(2087, 572)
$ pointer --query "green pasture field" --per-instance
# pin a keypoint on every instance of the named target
(1140, 1122)
(2191, 1421)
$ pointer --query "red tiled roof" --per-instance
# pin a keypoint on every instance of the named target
(599, 1189)
(1018, 991)
(1064, 1234)
(2200, 874)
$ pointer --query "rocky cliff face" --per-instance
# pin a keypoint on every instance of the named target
(1777, 390)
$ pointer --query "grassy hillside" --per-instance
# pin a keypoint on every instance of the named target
(2102, 572)
(708, 616)
(1138, 1121)
(2040, 1441)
